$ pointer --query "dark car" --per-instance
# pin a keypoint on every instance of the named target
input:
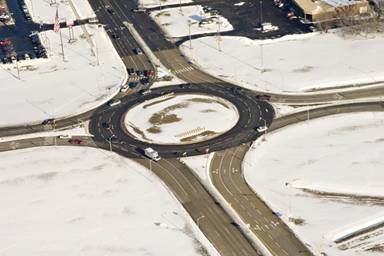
(133, 85)
(139, 73)
(105, 125)
(137, 50)
(109, 9)
(145, 81)
(130, 71)
(48, 121)
(115, 35)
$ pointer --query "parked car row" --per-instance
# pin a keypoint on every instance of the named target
(24, 7)
(38, 48)
(6, 46)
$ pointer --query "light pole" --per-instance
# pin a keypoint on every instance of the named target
(189, 34)
(218, 38)
(110, 142)
(197, 221)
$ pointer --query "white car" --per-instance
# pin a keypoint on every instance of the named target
(112, 103)
(261, 128)
(124, 88)
(65, 136)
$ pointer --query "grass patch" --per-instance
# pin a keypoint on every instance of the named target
(163, 118)
(204, 100)
(154, 129)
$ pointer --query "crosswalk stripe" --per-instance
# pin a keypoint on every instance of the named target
(182, 70)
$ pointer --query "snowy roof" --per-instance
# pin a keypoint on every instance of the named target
(315, 7)
(335, 3)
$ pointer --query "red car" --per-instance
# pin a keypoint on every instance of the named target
(76, 141)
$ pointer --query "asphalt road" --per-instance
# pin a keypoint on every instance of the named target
(226, 175)
(252, 113)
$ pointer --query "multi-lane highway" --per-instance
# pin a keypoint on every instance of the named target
(226, 175)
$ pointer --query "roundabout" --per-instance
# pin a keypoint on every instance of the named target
(217, 117)
(180, 118)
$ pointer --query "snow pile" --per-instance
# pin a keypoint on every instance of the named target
(91, 73)
(181, 118)
(83, 201)
(341, 153)
(292, 63)
(357, 228)
(157, 3)
(174, 21)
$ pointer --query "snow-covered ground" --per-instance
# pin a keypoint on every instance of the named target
(156, 3)
(91, 73)
(329, 173)
(84, 201)
(181, 118)
(291, 63)
(44, 11)
(174, 21)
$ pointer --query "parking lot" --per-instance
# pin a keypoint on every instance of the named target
(15, 42)
(246, 17)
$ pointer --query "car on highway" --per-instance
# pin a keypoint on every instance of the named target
(261, 128)
(115, 35)
(152, 154)
(109, 9)
(48, 121)
(105, 125)
(76, 141)
(137, 50)
(112, 103)
(145, 92)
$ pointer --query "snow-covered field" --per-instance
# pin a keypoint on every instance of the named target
(91, 73)
(156, 3)
(292, 63)
(44, 11)
(83, 201)
(174, 21)
(329, 173)
(181, 118)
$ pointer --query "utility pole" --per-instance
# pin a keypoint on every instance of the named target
(218, 37)
(261, 44)
(189, 33)
(18, 69)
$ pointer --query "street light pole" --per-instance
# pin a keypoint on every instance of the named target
(110, 143)
(189, 34)
(218, 38)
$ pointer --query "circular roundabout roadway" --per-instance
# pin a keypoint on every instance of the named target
(108, 127)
